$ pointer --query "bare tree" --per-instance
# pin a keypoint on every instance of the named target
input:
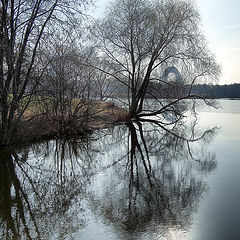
(144, 42)
(23, 25)
(64, 92)
(103, 85)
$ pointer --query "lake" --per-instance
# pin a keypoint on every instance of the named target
(134, 182)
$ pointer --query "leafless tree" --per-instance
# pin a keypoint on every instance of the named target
(103, 84)
(144, 42)
(23, 25)
(64, 91)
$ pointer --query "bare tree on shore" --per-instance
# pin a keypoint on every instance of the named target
(65, 90)
(23, 26)
(141, 41)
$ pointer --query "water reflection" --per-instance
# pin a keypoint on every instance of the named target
(143, 180)
(159, 186)
(14, 202)
(42, 190)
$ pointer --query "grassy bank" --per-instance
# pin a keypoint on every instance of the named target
(43, 121)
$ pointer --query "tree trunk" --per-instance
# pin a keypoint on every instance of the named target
(5, 134)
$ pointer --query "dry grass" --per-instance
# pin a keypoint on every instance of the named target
(107, 114)
(37, 126)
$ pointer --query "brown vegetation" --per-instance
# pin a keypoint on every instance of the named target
(38, 126)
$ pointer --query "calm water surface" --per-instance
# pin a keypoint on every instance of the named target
(130, 182)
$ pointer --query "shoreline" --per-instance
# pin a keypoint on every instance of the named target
(43, 129)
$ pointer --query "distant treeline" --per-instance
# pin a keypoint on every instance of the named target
(172, 90)
(218, 91)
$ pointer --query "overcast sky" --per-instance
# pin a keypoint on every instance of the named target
(221, 25)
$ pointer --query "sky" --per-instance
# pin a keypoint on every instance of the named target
(221, 27)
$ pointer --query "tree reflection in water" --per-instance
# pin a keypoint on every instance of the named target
(158, 188)
(139, 177)
(42, 188)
